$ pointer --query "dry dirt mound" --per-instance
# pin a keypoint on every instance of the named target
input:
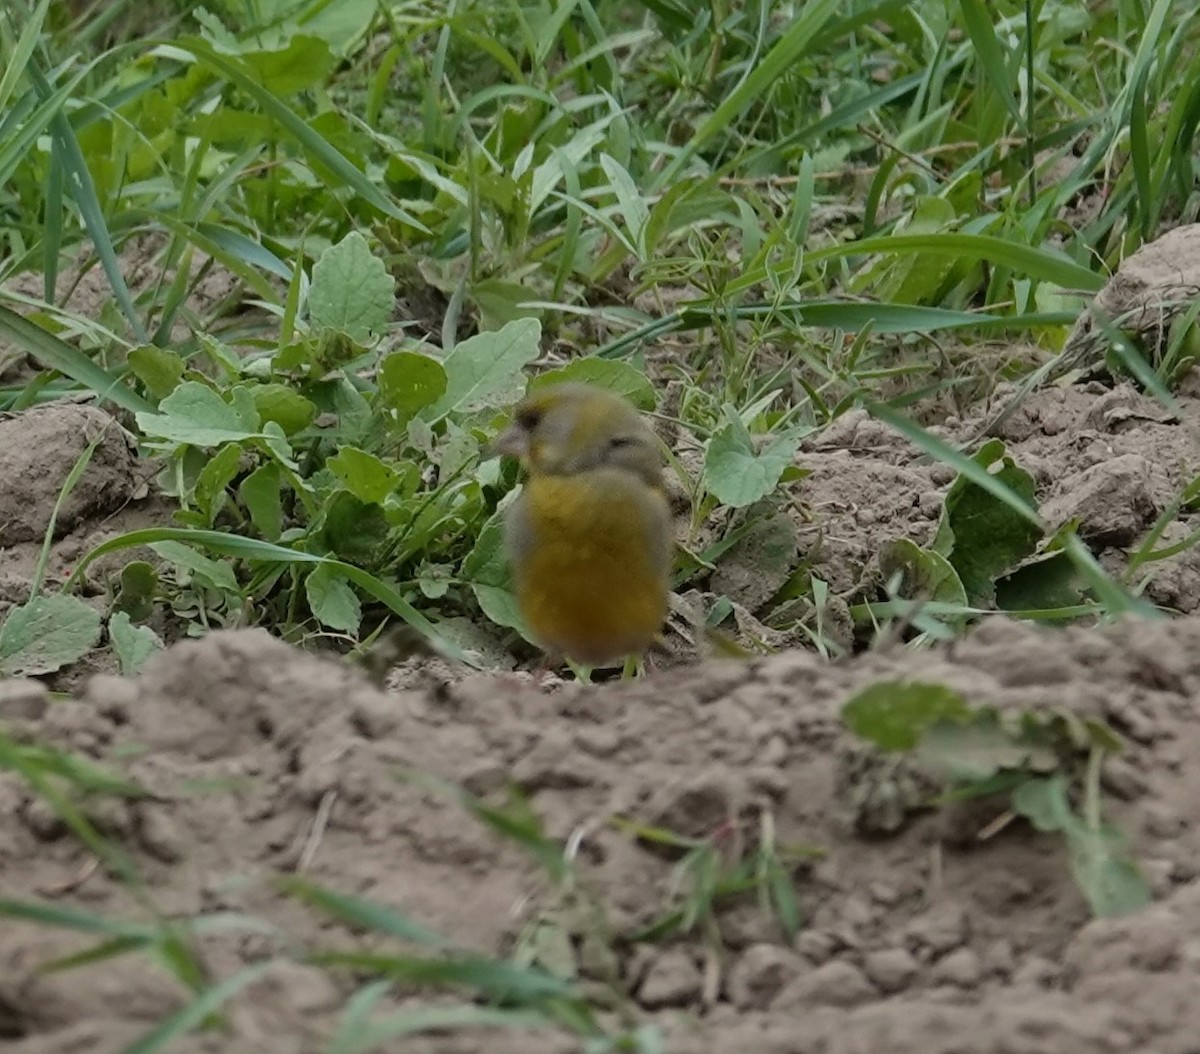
(264, 760)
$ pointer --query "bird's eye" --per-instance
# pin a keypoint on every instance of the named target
(529, 418)
(616, 442)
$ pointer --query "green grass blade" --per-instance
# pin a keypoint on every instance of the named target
(845, 116)
(63, 917)
(1044, 264)
(54, 354)
(196, 1012)
(942, 451)
(14, 148)
(1139, 153)
(834, 314)
(21, 54)
(112, 948)
(990, 54)
(786, 52)
(353, 911)
(316, 145)
(243, 257)
(374, 1035)
(73, 477)
(491, 977)
(83, 192)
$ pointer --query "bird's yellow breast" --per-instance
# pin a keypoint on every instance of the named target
(591, 559)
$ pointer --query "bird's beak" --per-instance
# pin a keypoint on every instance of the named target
(513, 441)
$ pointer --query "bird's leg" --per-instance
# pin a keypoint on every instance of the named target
(583, 673)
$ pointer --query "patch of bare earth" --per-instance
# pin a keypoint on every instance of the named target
(265, 761)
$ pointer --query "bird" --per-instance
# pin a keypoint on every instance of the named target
(589, 539)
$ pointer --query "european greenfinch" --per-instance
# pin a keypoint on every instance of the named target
(589, 538)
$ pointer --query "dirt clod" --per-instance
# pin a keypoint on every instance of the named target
(1113, 501)
(673, 979)
(891, 969)
(759, 974)
(38, 449)
(837, 983)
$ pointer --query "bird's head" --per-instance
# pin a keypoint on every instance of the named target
(565, 429)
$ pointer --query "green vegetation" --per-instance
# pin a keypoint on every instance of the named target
(361, 228)
(1043, 759)
(799, 201)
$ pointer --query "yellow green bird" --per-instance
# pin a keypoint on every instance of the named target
(589, 538)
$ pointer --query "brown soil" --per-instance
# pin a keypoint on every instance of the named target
(264, 761)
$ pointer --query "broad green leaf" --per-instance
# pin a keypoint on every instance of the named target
(332, 600)
(485, 370)
(215, 573)
(990, 537)
(351, 290)
(757, 565)
(457, 450)
(924, 574)
(978, 749)
(283, 405)
(216, 475)
(304, 63)
(486, 562)
(196, 414)
(341, 25)
(138, 588)
(363, 474)
(486, 569)
(408, 383)
(1048, 582)
(46, 634)
(501, 302)
(1043, 802)
(895, 714)
(740, 470)
(1066, 731)
(1110, 880)
(614, 375)
(159, 369)
(499, 603)
(275, 442)
(354, 529)
(261, 494)
(133, 644)
(1100, 864)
